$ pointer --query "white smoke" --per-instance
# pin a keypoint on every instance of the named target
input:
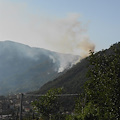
(64, 35)
(67, 61)
(52, 58)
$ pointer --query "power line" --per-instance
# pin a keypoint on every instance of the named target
(21, 100)
(55, 95)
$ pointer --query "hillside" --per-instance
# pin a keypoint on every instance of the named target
(73, 80)
(24, 68)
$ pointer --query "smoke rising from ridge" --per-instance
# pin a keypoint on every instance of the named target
(66, 35)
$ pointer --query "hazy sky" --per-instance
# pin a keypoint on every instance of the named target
(68, 26)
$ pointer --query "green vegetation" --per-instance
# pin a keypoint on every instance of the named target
(72, 80)
(99, 99)
(102, 88)
(99, 90)
(48, 106)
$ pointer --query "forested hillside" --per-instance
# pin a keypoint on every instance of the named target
(98, 89)
(73, 80)
(24, 68)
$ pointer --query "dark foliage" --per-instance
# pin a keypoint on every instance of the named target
(72, 81)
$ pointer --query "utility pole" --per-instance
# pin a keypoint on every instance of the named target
(21, 99)
(84, 102)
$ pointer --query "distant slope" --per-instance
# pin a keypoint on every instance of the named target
(73, 80)
(23, 68)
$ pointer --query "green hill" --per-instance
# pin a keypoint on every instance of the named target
(73, 80)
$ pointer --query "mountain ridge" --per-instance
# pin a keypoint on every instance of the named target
(73, 80)
(21, 65)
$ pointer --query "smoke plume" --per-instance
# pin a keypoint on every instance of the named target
(64, 35)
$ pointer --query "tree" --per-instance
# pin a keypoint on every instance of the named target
(48, 105)
(102, 88)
